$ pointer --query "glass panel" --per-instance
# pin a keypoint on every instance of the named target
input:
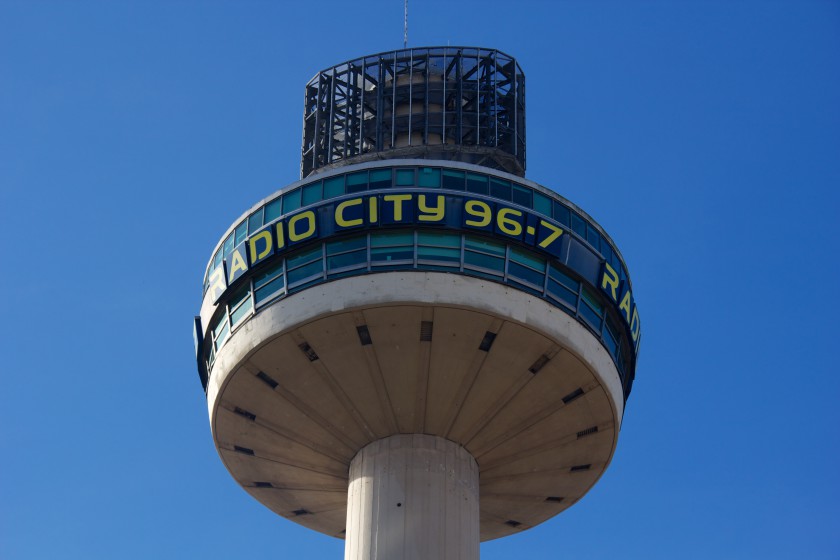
(484, 261)
(269, 289)
(476, 183)
(606, 250)
(240, 233)
(561, 213)
(590, 316)
(593, 238)
(239, 297)
(592, 300)
(305, 271)
(223, 334)
(311, 193)
(429, 177)
(520, 272)
(522, 196)
(570, 283)
(220, 325)
(392, 238)
(578, 225)
(303, 257)
(217, 259)
(272, 210)
(499, 189)
(333, 187)
(439, 254)
(255, 221)
(347, 259)
(357, 182)
(266, 276)
(334, 247)
(380, 254)
(519, 256)
(453, 180)
(405, 177)
(542, 204)
(479, 244)
(228, 246)
(442, 239)
(291, 201)
(380, 179)
(558, 291)
(243, 310)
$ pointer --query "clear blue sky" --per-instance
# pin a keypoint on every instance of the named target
(703, 136)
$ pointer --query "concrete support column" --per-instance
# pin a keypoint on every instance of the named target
(412, 497)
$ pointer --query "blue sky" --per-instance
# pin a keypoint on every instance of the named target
(703, 136)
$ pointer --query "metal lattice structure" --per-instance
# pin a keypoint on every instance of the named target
(446, 103)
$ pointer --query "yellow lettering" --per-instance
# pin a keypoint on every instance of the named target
(264, 235)
(625, 306)
(309, 216)
(435, 213)
(374, 207)
(339, 213)
(610, 279)
(281, 239)
(555, 233)
(237, 262)
(397, 199)
(635, 327)
(217, 283)
(480, 210)
(509, 225)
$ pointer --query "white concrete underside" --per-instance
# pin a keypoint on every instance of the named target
(321, 413)
(412, 497)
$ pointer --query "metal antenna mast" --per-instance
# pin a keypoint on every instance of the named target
(405, 26)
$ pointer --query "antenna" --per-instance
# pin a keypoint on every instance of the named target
(405, 26)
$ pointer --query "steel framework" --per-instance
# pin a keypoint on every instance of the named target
(452, 103)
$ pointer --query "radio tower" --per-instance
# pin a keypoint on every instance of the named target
(414, 348)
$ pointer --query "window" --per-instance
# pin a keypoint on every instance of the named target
(405, 177)
(272, 210)
(380, 179)
(484, 255)
(333, 187)
(526, 267)
(429, 177)
(561, 213)
(392, 247)
(522, 196)
(441, 247)
(255, 221)
(562, 288)
(579, 226)
(240, 233)
(240, 305)
(304, 267)
(357, 182)
(453, 180)
(291, 201)
(311, 193)
(476, 183)
(542, 204)
(269, 283)
(347, 253)
(500, 189)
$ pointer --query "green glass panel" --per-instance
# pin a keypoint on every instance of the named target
(269, 274)
(272, 210)
(567, 281)
(269, 289)
(578, 225)
(517, 271)
(380, 179)
(453, 180)
(239, 297)
(442, 239)
(561, 213)
(439, 254)
(217, 259)
(291, 201)
(484, 261)
(303, 257)
(392, 238)
(405, 177)
(346, 245)
(347, 259)
(428, 177)
(528, 259)
(333, 187)
(228, 246)
(592, 300)
(357, 182)
(480, 244)
(522, 196)
(476, 183)
(311, 193)
(379, 254)
(560, 292)
(255, 221)
(542, 204)
(306, 271)
(240, 233)
(240, 312)
(222, 334)
(499, 189)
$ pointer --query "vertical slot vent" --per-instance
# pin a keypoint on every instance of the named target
(308, 351)
(364, 335)
(512, 523)
(487, 341)
(572, 396)
(587, 431)
(579, 468)
(263, 485)
(538, 365)
(267, 380)
(301, 511)
(245, 413)
(243, 450)
(426, 331)
(554, 499)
